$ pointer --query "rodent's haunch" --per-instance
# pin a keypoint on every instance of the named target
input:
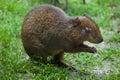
(49, 31)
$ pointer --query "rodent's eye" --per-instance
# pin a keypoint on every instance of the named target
(87, 30)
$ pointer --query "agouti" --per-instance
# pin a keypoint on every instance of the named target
(49, 31)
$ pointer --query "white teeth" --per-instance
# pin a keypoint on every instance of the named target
(88, 43)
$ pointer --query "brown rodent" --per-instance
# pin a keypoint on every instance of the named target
(48, 31)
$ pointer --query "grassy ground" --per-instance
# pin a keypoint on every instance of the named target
(104, 65)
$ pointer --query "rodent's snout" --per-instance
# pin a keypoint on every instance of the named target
(99, 40)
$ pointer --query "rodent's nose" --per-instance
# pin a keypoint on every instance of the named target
(100, 40)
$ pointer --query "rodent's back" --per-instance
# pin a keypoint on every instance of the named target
(45, 15)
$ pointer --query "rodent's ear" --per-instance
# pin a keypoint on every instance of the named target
(76, 22)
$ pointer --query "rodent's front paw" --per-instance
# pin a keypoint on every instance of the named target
(93, 50)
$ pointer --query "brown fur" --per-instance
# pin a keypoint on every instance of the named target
(48, 31)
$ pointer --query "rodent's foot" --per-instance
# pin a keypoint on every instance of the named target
(71, 68)
(85, 48)
(93, 50)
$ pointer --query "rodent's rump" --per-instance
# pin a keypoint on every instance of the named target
(48, 30)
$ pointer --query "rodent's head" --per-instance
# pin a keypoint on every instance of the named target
(89, 30)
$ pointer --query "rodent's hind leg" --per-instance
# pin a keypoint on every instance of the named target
(58, 60)
(36, 55)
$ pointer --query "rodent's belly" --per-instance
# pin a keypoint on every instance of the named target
(53, 52)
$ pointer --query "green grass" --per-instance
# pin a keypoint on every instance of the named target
(104, 65)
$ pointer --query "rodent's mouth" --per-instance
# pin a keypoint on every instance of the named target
(98, 40)
(84, 46)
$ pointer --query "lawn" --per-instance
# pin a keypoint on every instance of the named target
(103, 65)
